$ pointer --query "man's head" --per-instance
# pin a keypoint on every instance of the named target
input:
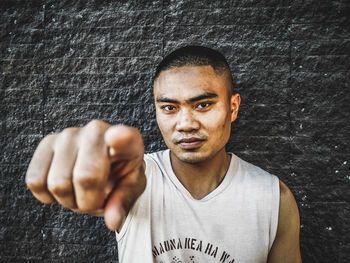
(194, 102)
(196, 56)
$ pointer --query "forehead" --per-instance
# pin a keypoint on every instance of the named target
(189, 81)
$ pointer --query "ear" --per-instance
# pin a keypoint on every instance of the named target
(235, 101)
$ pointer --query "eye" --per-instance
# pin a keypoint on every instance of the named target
(168, 108)
(203, 105)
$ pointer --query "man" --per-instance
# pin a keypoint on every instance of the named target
(192, 203)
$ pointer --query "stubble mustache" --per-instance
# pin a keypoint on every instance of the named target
(185, 136)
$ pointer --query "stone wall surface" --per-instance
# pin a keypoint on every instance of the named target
(64, 63)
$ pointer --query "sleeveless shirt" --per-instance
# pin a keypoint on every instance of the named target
(236, 222)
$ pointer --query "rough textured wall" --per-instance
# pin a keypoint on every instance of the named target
(64, 63)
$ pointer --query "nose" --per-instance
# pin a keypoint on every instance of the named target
(186, 122)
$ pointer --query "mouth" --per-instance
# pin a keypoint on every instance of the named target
(190, 143)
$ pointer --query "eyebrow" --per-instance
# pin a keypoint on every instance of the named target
(207, 95)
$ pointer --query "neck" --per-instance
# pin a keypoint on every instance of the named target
(201, 178)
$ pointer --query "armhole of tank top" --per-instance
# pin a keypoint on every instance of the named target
(274, 209)
(119, 235)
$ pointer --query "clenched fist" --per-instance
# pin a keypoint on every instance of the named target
(97, 169)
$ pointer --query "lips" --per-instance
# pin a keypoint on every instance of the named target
(190, 143)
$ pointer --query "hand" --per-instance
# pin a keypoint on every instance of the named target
(97, 169)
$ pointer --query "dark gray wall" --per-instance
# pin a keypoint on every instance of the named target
(64, 63)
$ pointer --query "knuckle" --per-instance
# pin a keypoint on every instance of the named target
(86, 180)
(35, 183)
(69, 133)
(60, 187)
(133, 180)
(142, 181)
(96, 125)
(94, 132)
(48, 139)
(137, 180)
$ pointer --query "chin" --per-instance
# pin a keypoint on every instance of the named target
(192, 157)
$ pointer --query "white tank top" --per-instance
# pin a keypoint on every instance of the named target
(236, 222)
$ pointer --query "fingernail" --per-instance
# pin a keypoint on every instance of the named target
(112, 151)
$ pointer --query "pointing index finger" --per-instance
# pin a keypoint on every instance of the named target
(125, 143)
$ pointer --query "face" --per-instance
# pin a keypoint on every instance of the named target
(193, 111)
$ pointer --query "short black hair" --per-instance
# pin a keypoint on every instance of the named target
(194, 56)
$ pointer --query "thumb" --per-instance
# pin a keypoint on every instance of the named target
(126, 192)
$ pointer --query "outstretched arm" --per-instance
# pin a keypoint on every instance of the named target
(286, 248)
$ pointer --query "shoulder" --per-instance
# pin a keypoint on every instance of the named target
(286, 246)
(261, 186)
(256, 175)
(156, 161)
(248, 167)
(288, 220)
(286, 195)
(288, 206)
(156, 156)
